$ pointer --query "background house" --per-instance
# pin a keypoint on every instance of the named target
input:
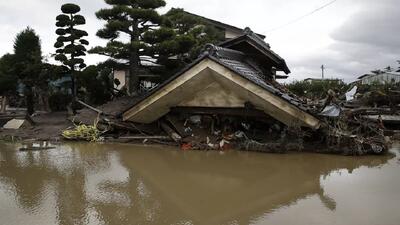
(229, 30)
(381, 78)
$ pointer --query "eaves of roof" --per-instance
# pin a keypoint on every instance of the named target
(261, 46)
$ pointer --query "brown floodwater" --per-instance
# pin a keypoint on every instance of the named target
(122, 184)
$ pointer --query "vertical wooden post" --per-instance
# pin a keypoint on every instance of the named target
(3, 104)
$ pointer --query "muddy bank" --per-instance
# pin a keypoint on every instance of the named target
(45, 127)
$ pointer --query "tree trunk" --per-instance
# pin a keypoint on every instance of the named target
(132, 81)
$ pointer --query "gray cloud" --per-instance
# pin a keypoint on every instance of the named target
(366, 40)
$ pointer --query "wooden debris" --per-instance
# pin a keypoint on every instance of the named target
(90, 107)
(175, 136)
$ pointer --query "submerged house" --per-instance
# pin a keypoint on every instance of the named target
(238, 77)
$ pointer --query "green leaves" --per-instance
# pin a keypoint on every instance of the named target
(70, 45)
(70, 8)
(79, 20)
(61, 32)
(59, 44)
(63, 18)
(27, 56)
(8, 80)
(84, 42)
(61, 57)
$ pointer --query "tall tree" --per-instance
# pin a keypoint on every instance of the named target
(28, 62)
(70, 42)
(191, 34)
(8, 83)
(131, 18)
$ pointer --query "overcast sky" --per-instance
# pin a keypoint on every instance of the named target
(350, 37)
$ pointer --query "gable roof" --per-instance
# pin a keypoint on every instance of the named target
(260, 45)
(222, 25)
(238, 63)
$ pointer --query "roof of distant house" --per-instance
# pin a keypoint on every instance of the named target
(260, 45)
(383, 73)
(222, 25)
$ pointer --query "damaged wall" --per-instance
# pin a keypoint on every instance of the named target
(184, 89)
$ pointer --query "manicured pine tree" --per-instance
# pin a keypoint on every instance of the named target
(131, 19)
(28, 63)
(70, 42)
(192, 34)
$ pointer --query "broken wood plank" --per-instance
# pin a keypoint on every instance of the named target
(175, 136)
(3, 104)
(90, 107)
(179, 126)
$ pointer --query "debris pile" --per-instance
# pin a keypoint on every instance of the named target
(345, 130)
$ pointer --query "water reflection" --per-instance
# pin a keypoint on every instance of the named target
(120, 184)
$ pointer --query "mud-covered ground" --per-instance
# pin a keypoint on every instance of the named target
(47, 127)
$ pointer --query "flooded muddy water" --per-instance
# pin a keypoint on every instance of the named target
(123, 184)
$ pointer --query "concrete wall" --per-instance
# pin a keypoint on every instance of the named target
(121, 76)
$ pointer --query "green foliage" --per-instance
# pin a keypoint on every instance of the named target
(28, 63)
(133, 19)
(70, 42)
(8, 81)
(70, 8)
(182, 39)
(378, 94)
(59, 101)
(97, 86)
(27, 56)
(316, 89)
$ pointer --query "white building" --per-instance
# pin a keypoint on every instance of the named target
(382, 78)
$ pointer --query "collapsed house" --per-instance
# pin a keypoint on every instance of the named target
(229, 90)
(229, 98)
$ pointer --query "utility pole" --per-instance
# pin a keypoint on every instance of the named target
(323, 72)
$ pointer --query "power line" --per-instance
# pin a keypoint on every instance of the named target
(301, 17)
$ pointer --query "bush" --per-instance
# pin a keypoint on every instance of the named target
(59, 101)
(316, 89)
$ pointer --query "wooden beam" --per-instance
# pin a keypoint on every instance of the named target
(90, 107)
(175, 136)
(221, 111)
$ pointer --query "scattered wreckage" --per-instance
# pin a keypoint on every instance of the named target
(229, 98)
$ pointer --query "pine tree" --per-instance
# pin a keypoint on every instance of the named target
(192, 34)
(8, 83)
(28, 58)
(131, 18)
(70, 43)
